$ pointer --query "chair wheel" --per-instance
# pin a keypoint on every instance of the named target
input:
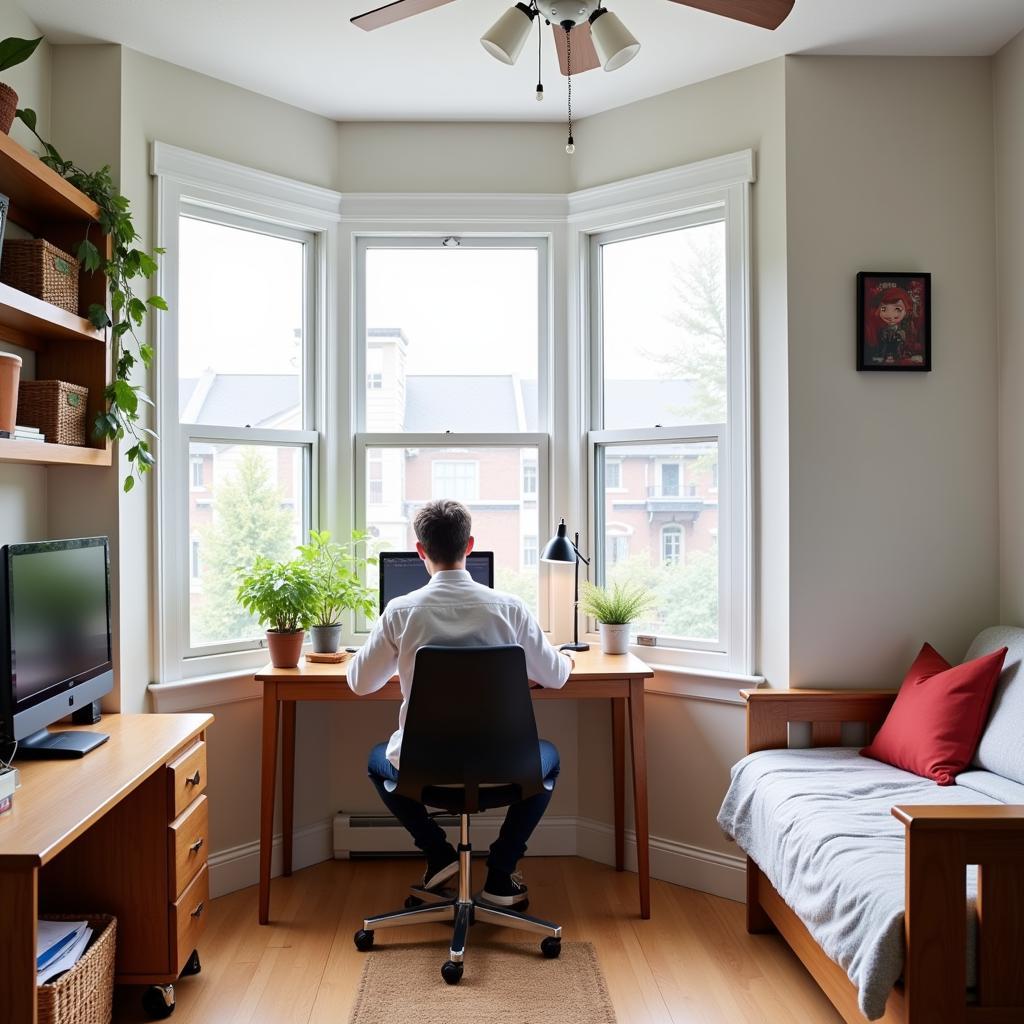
(451, 972)
(158, 1001)
(551, 947)
(363, 940)
(193, 966)
(413, 901)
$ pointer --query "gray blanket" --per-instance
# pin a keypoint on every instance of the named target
(818, 824)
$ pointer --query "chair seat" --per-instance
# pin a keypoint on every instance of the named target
(453, 798)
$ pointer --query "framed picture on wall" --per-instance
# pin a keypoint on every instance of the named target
(894, 321)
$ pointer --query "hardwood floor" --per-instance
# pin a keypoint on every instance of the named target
(692, 963)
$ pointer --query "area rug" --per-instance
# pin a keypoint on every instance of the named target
(503, 984)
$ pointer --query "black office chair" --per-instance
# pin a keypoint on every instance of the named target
(470, 744)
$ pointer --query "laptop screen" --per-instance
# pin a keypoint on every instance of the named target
(402, 572)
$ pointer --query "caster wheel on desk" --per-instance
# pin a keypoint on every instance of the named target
(413, 901)
(451, 972)
(363, 940)
(193, 966)
(551, 947)
(158, 1001)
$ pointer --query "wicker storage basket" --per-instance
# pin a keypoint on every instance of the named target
(54, 407)
(85, 994)
(35, 266)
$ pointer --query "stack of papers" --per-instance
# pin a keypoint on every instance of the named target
(59, 946)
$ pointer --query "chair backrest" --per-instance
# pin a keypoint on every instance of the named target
(470, 723)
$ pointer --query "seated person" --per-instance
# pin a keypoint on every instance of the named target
(454, 609)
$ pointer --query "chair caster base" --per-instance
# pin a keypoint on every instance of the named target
(158, 1001)
(363, 940)
(451, 972)
(551, 947)
(193, 966)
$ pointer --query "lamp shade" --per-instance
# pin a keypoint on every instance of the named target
(614, 42)
(559, 548)
(507, 36)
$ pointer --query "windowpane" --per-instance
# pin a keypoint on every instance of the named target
(241, 316)
(488, 480)
(663, 310)
(453, 335)
(664, 534)
(253, 504)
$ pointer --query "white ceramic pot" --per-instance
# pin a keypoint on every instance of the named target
(615, 637)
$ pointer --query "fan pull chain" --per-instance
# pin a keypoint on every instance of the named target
(570, 146)
(540, 84)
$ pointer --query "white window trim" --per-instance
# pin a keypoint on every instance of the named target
(232, 194)
(711, 190)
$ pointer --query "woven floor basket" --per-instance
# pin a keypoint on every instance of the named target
(85, 995)
(35, 266)
(54, 407)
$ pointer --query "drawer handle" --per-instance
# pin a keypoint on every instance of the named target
(196, 846)
(192, 780)
(198, 911)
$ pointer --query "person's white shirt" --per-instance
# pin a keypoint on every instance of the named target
(451, 609)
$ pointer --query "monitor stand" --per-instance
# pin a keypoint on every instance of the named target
(58, 746)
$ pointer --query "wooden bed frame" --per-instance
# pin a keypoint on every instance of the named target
(940, 843)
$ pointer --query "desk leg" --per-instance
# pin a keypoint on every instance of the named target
(287, 783)
(19, 890)
(268, 774)
(638, 738)
(619, 778)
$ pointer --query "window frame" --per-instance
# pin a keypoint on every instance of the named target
(194, 186)
(733, 652)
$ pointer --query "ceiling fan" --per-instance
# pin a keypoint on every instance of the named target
(587, 35)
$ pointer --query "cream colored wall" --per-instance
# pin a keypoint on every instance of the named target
(1008, 74)
(892, 476)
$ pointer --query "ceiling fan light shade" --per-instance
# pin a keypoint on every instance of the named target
(614, 43)
(507, 36)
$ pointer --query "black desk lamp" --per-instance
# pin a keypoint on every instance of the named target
(561, 549)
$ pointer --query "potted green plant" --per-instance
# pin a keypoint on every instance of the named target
(338, 573)
(12, 53)
(615, 609)
(281, 596)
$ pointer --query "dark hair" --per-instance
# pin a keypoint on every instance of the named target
(443, 528)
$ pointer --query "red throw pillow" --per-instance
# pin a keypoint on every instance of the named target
(936, 721)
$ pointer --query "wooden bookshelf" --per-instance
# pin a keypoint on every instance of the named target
(67, 347)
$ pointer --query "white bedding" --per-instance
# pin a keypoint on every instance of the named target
(818, 824)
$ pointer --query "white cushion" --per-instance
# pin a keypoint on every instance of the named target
(1001, 749)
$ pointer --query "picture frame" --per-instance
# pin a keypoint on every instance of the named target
(894, 321)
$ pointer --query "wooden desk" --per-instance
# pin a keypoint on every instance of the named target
(618, 678)
(99, 835)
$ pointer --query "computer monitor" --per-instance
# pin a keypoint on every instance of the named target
(55, 643)
(402, 572)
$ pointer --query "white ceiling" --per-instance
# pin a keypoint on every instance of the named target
(432, 67)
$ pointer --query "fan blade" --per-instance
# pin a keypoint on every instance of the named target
(397, 11)
(762, 13)
(584, 56)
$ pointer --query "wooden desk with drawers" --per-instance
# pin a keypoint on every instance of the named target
(121, 831)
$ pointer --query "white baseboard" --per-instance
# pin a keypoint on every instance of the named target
(239, 866)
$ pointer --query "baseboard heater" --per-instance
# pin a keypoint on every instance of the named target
(380, 835)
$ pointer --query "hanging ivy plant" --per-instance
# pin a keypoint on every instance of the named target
(127, 264)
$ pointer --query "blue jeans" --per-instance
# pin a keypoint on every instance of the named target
(520, 819)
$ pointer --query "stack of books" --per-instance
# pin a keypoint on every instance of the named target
(59, 946)
(24, 434)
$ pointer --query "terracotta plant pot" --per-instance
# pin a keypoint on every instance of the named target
(285, 648)
(8, 107)
(10, 374)
(615, 637)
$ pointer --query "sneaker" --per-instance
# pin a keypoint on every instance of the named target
(504, 890)
(438, 872)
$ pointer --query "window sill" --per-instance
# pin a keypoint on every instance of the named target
(205, 691)
(699, 684)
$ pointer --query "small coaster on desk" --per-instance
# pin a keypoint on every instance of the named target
(328, 659)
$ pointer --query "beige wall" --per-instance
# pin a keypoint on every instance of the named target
(1009, 135)
(892, 476)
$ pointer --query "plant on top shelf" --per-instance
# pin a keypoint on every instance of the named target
(338, 571)
(12, 53)
(127, 314)
(282, 596)
(615, 609)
